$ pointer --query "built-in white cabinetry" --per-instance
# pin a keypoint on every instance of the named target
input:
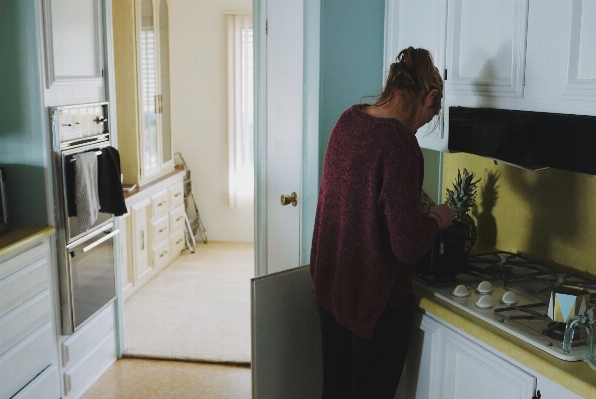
(445, 363)
(140, 248)
(420, 24)
(88, 353)
(155, 230)
(486, 49)
(531, 55)
(28, 352)
(470, 371)
(74, 51)
(142, 65)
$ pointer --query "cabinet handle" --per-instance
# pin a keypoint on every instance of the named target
(161, 203)
(65, 355)
(179, 240)
(142, 240)
(179, 217)
(163, 253)
(162, 230)
(177, 194)
(67, 384)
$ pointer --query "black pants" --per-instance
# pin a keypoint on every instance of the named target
(365, 368)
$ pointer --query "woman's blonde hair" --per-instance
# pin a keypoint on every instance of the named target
(413, 75)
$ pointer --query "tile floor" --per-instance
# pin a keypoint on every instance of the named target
(161, 379)
(198, 308)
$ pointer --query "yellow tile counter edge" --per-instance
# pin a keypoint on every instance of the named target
(21, 238)
(578, 377)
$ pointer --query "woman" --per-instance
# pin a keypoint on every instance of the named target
(369, 231)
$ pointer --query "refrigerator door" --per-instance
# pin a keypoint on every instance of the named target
(287, 359)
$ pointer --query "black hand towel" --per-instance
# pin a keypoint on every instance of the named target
(111, 196)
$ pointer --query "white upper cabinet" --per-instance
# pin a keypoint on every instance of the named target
(561, 59)
(74, 51)
(420, 24)
(530, 55)
(486, 50)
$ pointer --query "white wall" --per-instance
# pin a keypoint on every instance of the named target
(198, 57)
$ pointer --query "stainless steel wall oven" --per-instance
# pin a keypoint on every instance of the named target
(85, 254)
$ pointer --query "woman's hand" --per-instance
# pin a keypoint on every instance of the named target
(443, 214)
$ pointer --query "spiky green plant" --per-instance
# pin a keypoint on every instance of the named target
(463, 195)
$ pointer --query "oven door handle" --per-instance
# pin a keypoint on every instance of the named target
(96, 243)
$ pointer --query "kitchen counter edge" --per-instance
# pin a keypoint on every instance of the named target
(577, 376)
(21, 238)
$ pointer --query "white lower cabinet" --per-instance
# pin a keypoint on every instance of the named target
(470, 371)
(446, 363)
(28, 353)
(154, 233)
(88, 353)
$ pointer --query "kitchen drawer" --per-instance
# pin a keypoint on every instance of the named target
(159, 203)
(22, 285)
(160, 230)
(161, 254)
(26, 360)
(176, 194)
(44, 386)
(79, 344)
(177, 218)
(20, 261)
(25, 319)
(177, 241)
(80, 376)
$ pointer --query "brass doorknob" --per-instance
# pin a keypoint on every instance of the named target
(289, 199)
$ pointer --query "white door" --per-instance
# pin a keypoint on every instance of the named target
(279, 76)
(286, 338)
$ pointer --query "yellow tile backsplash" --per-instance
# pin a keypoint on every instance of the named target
(548, 215)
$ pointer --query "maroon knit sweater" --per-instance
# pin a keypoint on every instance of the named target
(368, 231)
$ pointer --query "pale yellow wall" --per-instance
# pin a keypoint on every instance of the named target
(547, 215)
(199, 98)
(123, 20)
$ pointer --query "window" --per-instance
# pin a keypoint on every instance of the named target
(240, 111)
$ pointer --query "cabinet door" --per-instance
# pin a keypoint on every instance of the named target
(422, 372)
(140, 239)
(470, 371)
(154, 87)
(420, 24)
(486, 50)
(74, 51)
(580, 82)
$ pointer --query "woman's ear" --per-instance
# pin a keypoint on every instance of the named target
(430, 97)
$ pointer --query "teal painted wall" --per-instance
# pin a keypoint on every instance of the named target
(352, 34)
(22, 124)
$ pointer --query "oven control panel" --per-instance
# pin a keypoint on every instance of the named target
(77, 123)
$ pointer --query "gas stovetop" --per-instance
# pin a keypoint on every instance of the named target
(512, 292)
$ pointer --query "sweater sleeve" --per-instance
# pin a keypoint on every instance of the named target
(410, 234)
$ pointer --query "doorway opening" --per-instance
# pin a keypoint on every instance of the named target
(198, 307)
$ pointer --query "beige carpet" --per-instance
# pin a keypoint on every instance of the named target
(197, 308)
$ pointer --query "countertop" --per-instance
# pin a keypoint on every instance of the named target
(578, 377)
(20, 238)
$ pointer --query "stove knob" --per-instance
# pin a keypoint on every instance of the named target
(461, 291)
(485, 301)
(509, 298)
(485, 287)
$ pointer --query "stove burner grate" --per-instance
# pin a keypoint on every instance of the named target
(533, 320)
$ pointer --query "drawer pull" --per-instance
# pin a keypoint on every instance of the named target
(162, 230)
(161, 203)
(142, 240)
(179, 241)
(177, 195)
(179, 218)
(163, 253)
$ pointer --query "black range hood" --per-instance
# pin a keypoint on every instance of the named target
(529, 140)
